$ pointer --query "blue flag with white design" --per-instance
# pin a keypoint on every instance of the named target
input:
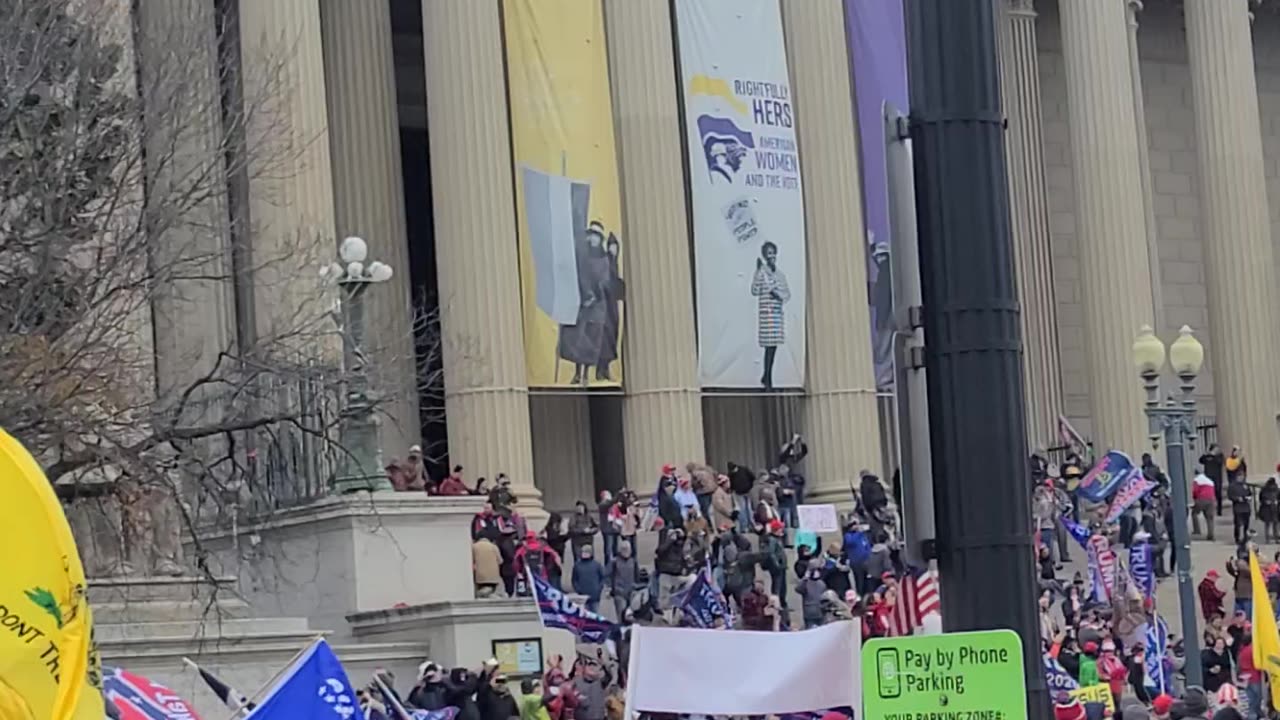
(702, 602)
(1077, 531)
(1105, 476)
(557, 611)
(1057, 677)
(314, 687)
(1157, 668)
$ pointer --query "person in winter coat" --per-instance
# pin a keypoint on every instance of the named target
(588, 577)
(609, 525)
(494, 699)
(775, 560)
(685, 497)
(739, 565)
(835, 571)
(582, 528)
(537, 557)
(669, 564)
(1269, 509)
(1213, 463)
(1239, 570)
(532, 704)
(754, 603)
(834, 609)
(623, 574)
(1194, 703)
(871, 493)
(1215, 662)
(722, 508)
(1089, 664)
(460, 690)
(1236, 467)
(703, 480)
(856, 547)
(554, 534)
(880, 560)
(741, 482)
(591, 683)
(1211, 598)
(1204, 497)
(1241, 508)
(486, 567)
(430, 692)
(668, 507)
(810, 590)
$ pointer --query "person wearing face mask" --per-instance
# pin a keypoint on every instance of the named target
(588, 577)
(810, 590)
(430, 692)
(623, 574)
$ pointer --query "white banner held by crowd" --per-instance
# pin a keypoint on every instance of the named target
(733, 672)
(748, 207)
(818, 518)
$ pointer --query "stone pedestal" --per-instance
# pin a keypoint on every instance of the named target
(1238, 253)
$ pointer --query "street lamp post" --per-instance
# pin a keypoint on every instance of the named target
(361, 465)
(1175, 420)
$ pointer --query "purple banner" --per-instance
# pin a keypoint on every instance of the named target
(878, 56)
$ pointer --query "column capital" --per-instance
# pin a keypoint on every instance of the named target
(1133, 7)
(1022, 8)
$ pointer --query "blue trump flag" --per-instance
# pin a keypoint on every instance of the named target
(1158, 669)
(1056, 677)
(1103, 478)
(702, 603)
(1140, 568)
(1076, 530)
(314, 687)
(558, 611)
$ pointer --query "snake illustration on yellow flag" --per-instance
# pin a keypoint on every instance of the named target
(48, 667)
(1266, 640)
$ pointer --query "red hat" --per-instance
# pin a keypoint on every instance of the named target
(775, 525)
(1212, 574)
(1091, 647)
(1069, 710)
(668, 469)
(1162, 704)
(887, 575)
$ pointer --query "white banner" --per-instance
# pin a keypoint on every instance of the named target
(721, 672)
(748, 209)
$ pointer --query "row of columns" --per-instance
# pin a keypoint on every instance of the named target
(1115, 223)
(341, 98)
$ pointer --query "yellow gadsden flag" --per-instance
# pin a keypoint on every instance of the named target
(1266, 640)
(48, 668)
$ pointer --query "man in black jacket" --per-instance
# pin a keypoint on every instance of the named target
(669, 564)
(741, 481)
(1212, 462)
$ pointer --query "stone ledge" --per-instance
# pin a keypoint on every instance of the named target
(360, 505)
(447, 613)
(219, 649)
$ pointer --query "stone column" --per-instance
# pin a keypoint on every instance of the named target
(1109, 215)
(562, 461)
(662, 411)
(1238, 254)
(486, 392)
(290, 180)
(1144, 167)
(194, 319)
(1029, 216)
(840, 410)
(368, 190)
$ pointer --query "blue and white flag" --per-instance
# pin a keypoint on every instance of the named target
(1057, 677)
(1141, 569)
(1105, 476)
(1158, 668)
(315, 687)
(703, 602)
(1077, 531)
(558, 611)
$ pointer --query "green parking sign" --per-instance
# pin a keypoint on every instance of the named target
(954, 676)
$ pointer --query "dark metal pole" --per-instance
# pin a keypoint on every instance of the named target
(1176, 421)
(973, 338)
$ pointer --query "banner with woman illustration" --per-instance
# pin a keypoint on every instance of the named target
(748, 207)
(567, 197)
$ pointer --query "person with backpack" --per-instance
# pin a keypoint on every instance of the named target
(537, 558)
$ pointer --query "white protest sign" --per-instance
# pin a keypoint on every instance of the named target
(818, 518)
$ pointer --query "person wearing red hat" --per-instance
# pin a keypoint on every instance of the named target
(1068, 708)
(1161, 706)
(774, 561)
(537, 557)
(1211, 598)
(1089, 664)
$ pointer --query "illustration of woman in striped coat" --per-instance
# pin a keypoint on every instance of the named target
(769, 286)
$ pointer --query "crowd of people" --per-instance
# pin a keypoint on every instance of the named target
(1100, 630)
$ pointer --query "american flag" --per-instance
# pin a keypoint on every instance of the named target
(917, 598)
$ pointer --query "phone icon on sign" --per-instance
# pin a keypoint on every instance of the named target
(887, 679)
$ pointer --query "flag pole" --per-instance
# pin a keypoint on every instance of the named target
(391, 700)
(270, 683)
(533, 594)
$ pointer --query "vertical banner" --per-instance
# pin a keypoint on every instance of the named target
(567, 198)
(748, 210)
(878, 54)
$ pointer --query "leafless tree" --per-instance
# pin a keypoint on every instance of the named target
(124, 143)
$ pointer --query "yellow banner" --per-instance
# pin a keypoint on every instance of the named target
(48, 668)
(567, 198)
(1096, 693)
(1266, 637)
